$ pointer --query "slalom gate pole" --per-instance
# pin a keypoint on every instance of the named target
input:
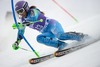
(65, 10)
(12, 4)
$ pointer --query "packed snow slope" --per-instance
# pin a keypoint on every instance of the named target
(88, 16)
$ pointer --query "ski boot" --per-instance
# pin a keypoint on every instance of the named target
(81, 35)
(61, 45)
(80, 39)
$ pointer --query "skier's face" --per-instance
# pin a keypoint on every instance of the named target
(21, 12)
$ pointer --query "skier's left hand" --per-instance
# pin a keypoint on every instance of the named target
(20, 25)
(15, 45)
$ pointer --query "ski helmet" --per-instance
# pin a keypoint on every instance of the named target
(21, 6)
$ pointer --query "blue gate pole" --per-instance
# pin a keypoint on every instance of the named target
(12, 4)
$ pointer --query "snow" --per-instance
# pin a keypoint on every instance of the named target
(86, 12)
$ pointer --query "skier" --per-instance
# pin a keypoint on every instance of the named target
(51, 30)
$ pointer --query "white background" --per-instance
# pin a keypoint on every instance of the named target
(87, 12)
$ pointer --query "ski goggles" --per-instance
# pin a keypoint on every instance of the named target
(20, 11)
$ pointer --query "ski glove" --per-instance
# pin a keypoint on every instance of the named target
(15, 45)
(20, 25)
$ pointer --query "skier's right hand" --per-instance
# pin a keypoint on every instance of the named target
(15, 45)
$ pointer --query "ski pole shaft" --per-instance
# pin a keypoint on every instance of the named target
(25, 49)
(30, 51)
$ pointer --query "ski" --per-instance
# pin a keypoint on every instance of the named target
(41, 59)
(62, 52)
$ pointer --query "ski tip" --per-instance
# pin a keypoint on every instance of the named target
(55, 54)
(60, 53)
(33, 61)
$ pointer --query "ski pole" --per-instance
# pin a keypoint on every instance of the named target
(25, 49)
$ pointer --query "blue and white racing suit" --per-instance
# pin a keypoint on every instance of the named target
(51, 30)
